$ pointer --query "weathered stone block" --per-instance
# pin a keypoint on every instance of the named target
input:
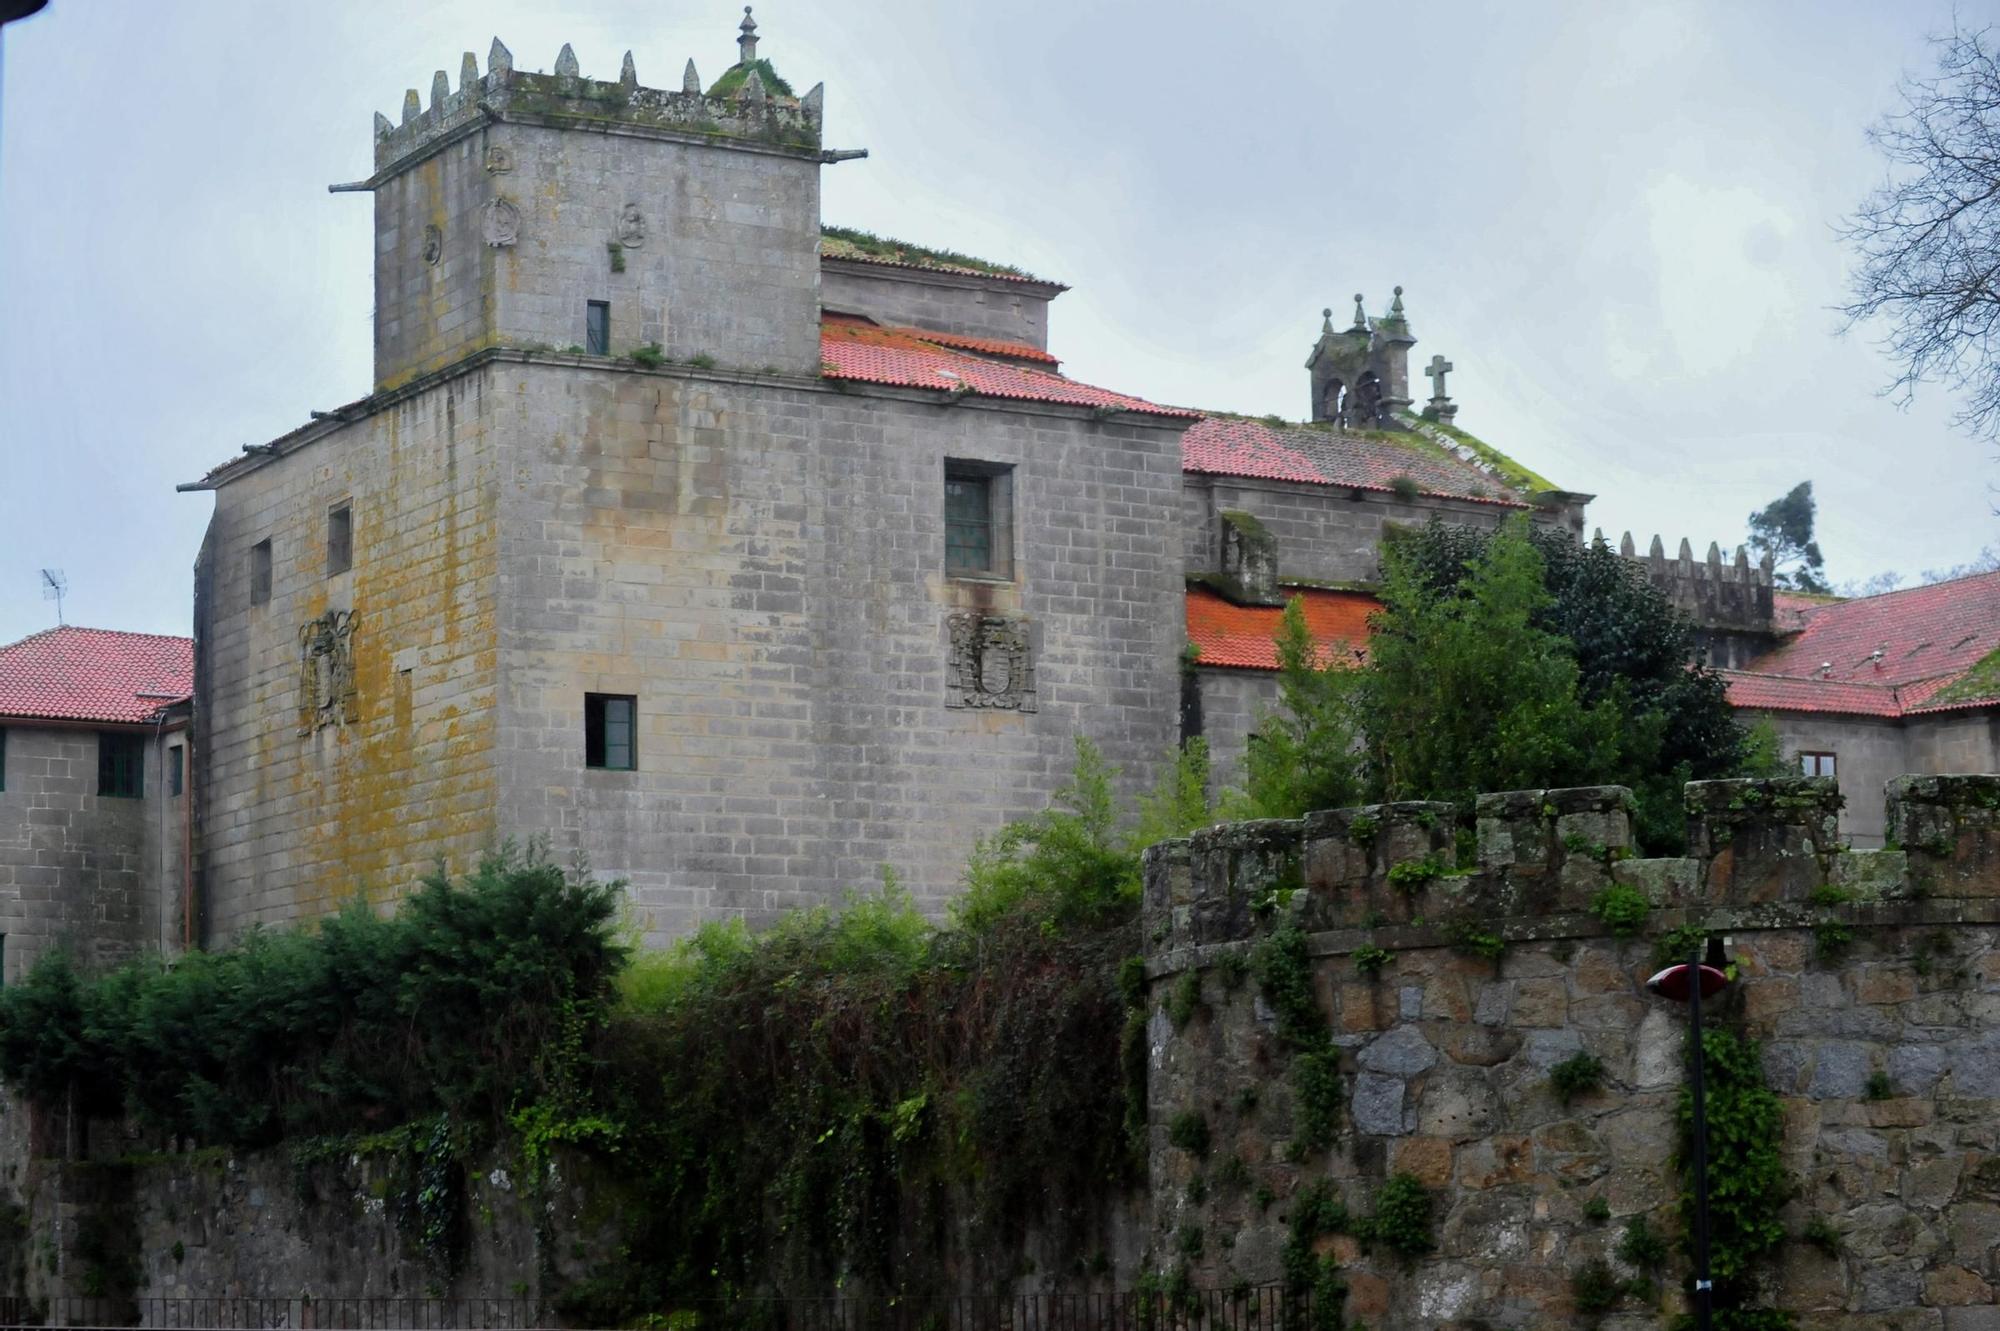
(1949, 827)
(1764, 840)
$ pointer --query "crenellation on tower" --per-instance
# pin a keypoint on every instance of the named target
(514, 210)
(1730, 600)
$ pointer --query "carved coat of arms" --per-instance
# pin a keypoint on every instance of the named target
(326, 671)
(990, 664)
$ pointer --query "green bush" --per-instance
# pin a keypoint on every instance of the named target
(1402, 1218)
(1580, 1074)
(1623, 909)
(473, 996)
(1188, 1131)
(1369, 959)
(1748, 1184)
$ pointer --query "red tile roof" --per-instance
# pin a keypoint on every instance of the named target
(855, 349)
(73, 674)
(1887, 655)
(991, 346)
(1245, 636)
(1230, 446)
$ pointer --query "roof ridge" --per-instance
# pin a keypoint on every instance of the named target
(1905, 591)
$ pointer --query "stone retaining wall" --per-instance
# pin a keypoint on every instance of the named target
(1884, 1049)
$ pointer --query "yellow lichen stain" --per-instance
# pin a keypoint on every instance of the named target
(412, 781)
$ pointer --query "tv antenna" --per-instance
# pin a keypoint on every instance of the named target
(54, 584)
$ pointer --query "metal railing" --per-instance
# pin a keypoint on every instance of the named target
(1267, 1308)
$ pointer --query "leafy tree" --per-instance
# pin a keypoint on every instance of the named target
(1464, 692)
(1927, 242)
(1783, 529)
(1306, 754)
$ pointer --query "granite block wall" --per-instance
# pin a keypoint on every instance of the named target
(298, 813)
(1008, 309)
(761, 563)
(1880, 1046)
(81, 868)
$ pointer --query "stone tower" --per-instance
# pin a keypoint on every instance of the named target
(555, 210)
(1361, 375)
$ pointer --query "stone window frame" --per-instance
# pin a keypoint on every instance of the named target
(260, 572)
(596, 724)
(997, 480)
(176, 770)
(3, 758)
(339, 537)
(1819, 762)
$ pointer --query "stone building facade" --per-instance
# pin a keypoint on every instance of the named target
(641, 545)
(94, 813)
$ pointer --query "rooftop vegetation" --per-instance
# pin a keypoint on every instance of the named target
(837, 242)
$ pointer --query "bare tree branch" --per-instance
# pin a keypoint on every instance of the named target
(1927, 242)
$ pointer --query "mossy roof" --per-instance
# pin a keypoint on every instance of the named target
(734, 77)
(1315, 452)
(839, 242)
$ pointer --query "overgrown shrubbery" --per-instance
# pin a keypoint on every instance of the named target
(1504, 660)
(813, 1103)
(461, 1003)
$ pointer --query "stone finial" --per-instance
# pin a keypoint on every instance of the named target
(1396, 306)
(468, 71)
(1360, 315)
(1742, 561)
(440, 89)
(1597, 538)
(814, 102)
(1714, 555)
(1625, 546)
(747, 43)
(1768, 563)
(566, 66)
(1659, 550)
(1687, 551)
(412, 105)
(499, 60)
(1326, 320)
(690, 81)
(628, 74)
(382, 126)
(753, 89)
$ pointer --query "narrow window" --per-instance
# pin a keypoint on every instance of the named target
(340, 538)
(175, 772)
(121, 765)
(978, 520)
(1817, 764)
(3, 758)
(609, 723)
(260, 572)
(597, 328)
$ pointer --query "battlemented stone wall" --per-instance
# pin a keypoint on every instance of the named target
(1883, 1050)
(760, 563)
(346, 725)
(81, 868)
(1009, 309)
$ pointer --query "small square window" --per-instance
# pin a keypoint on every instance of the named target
(610, 732)
(121, 765)
(176, 769)
(978, 520)
(339, 538)
(1817, 764)
(597, 328)
(260, 572)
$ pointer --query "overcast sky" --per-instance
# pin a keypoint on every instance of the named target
(1615, 219)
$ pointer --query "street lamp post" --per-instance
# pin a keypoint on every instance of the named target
(1694, 981)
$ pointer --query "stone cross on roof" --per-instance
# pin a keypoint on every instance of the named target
(1439, 368)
